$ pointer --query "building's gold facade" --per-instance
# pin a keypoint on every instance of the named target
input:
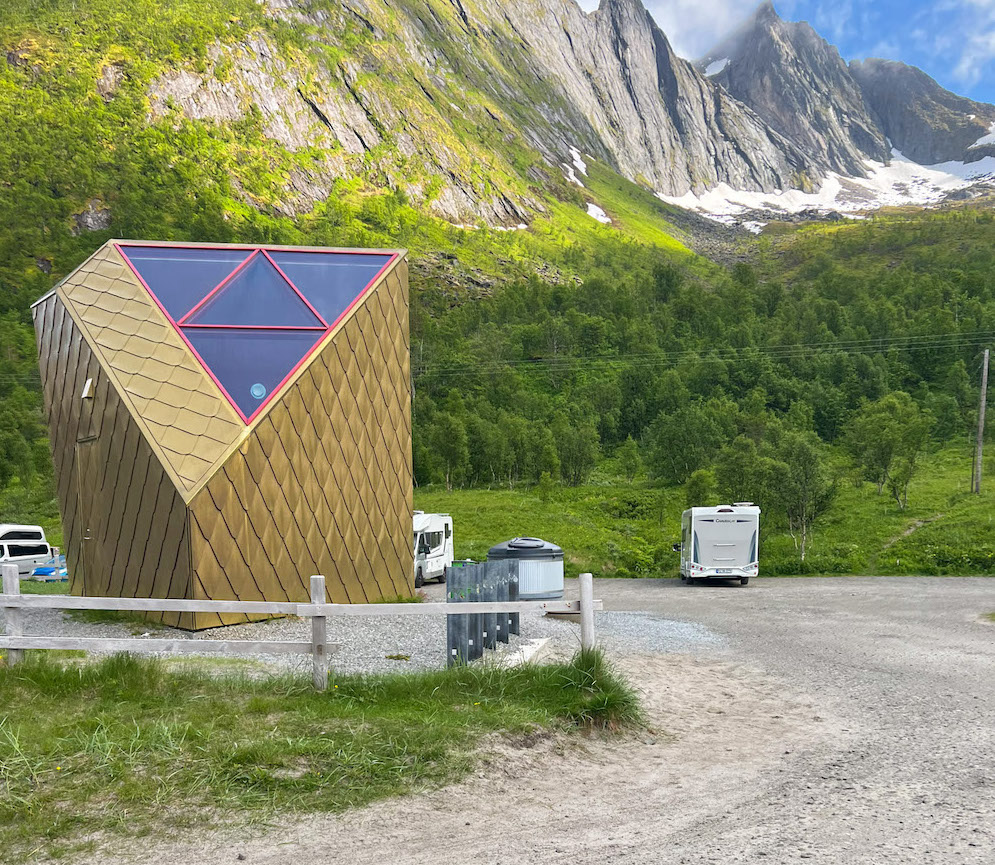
(164, 491)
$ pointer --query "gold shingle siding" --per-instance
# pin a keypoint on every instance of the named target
(108, 479)
(323, 483)
(187, 420)
(183, 499)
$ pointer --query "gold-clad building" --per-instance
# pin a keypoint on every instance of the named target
(228, 420)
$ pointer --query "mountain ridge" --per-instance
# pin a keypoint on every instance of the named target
(798, 83)
(923, 120)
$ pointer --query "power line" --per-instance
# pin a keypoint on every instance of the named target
(966, 339)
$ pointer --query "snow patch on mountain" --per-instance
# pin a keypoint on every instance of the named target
(579, 163)
(985, 140)
(570, 174)
(716, 66)
(597, 213)
(899, 182)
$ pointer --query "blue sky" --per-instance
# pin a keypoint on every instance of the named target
(952, 40)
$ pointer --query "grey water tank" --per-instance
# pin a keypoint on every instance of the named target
(540, 568)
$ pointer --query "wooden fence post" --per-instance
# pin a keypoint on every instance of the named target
(12, 586)
(319, 637)
(586, 612)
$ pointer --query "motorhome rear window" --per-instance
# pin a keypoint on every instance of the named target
(21, 535)
(17, 550)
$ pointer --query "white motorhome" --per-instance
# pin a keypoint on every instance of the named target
(433, 546)
(24, 546)
(720, 543)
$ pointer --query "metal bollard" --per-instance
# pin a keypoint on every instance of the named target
(457, 630)
(515, 619)
(489, 593)
(503, 619)
(476, 620)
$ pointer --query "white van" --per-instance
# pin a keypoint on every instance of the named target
(720, 543)
(433, 547)
(24, 546)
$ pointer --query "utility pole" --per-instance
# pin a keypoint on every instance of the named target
(976, 486)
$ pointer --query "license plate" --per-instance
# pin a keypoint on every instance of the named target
(723, 570)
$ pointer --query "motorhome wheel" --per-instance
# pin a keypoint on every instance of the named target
(419, 579)
(744, 580)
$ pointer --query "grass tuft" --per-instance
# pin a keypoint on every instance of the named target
(130, 745)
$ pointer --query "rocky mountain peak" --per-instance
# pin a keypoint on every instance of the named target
(927, 123)
(798, 83)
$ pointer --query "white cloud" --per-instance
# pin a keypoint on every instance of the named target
(974, 19)
(957, 36)
(834, 21)
(694, 26)
(978, 54)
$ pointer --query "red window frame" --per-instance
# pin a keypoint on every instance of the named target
(322, 331)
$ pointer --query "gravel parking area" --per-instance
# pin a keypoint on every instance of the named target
(829, 720)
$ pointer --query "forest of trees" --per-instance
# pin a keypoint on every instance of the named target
(860, 343)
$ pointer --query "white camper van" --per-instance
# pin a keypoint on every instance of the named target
(720, 543)
(24, 546)
(433, 546)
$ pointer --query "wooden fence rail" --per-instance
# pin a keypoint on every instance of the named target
(12, 602)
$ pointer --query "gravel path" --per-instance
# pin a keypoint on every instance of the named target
(836, 721)
(365, 642)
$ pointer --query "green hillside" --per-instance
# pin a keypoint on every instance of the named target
(551, 363)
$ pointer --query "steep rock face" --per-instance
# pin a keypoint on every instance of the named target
(659, 119)
(474, 106)
(798, 83)
(927, 123)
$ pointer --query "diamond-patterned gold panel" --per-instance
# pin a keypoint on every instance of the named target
(164, 492)
(187, 421)
(323, 483)
(124, 523)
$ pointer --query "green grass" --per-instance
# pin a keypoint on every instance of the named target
(130, 747)
(635, 211)
(618, 529)
(30, 587)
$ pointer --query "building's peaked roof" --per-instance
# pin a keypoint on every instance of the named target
(201, 340)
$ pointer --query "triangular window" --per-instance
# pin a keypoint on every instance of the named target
(256, 295)
(253, 316)
(179, 278)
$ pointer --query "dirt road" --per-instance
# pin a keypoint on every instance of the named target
(839, 721)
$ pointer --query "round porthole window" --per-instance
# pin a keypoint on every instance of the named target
(258, 390)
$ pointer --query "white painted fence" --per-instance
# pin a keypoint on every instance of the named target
(15, 641)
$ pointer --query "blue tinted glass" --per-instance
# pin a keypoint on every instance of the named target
(251, 363)
(330, 280)
(181, 277)
(257, 295)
